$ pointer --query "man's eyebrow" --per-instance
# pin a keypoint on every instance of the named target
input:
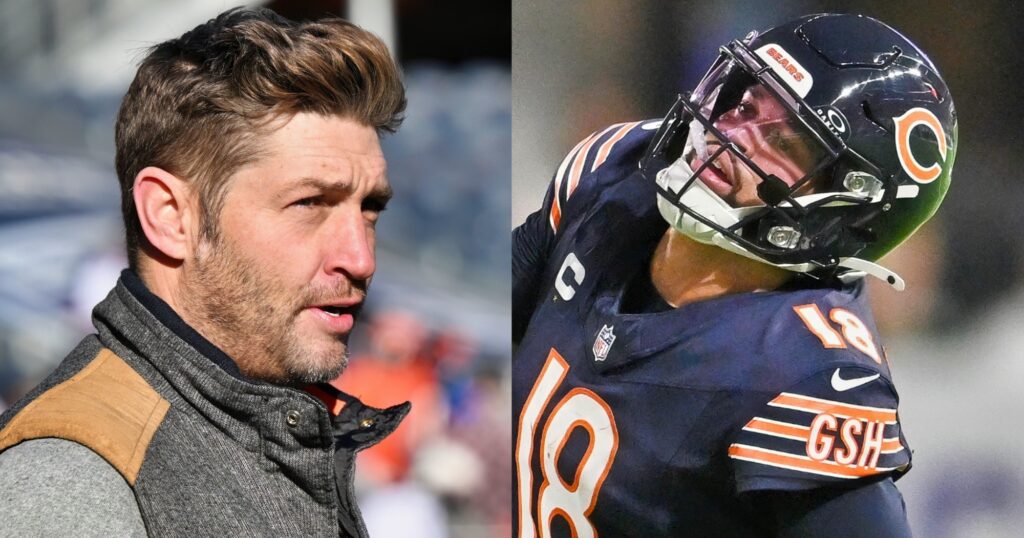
(319, 184)
(383, 192)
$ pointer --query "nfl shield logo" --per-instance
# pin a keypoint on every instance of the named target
(603, 343)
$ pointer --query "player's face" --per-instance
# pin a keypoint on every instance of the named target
(281, 286)
(761, 127)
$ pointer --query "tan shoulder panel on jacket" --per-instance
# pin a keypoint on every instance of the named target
(107, 406)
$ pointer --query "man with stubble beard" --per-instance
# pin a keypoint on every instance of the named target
(252, 179)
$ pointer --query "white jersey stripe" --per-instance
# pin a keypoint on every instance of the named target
(833, 402)
(791, 468)
(837, 407)
(606, 147)
(576, 172)
(559, 176)
(774, 434)
(753, 427)
(801, 458)
(780, 423)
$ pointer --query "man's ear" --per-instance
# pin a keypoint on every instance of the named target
(164, 205)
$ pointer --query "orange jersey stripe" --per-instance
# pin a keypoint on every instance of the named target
(817, 405)
(556, 216)
(577, 166)
(800, 463)
(778, 429)
(556, 203)
(606, 148)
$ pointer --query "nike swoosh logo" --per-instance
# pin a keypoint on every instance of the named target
(841, 384)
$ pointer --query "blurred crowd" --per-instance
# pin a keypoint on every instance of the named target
(451, 454)
(456, 167)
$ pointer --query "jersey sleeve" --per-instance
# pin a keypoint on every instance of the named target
(533, 240)
(835, 428)
(531, 244)
(875, 509)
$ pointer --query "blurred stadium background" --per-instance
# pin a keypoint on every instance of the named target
(437, 324)
(955, 335)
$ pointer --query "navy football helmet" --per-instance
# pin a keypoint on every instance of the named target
(851, 153)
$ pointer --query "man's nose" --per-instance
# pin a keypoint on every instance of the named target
(351, 247)
(743, 136)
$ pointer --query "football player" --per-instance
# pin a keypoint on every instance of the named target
(696, 355)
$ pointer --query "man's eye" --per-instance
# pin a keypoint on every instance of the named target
(375, 206)
(309, 202)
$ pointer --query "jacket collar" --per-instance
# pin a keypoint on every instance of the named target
(189, 370)
(170, 319)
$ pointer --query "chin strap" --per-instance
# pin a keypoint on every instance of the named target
(861, 267)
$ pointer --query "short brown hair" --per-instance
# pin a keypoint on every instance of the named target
(200, 104)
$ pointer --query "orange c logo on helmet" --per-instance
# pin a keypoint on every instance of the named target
(904, 125)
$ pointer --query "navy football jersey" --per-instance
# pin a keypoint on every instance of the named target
(670, 422)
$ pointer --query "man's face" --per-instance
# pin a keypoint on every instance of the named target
(281, 286)
(762, 128)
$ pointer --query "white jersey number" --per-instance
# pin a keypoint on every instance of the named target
(574, 501)
(854, 330)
